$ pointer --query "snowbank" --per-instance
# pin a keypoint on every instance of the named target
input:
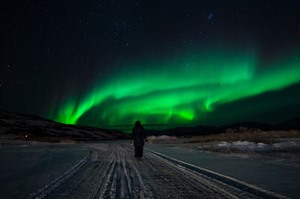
(246, 146)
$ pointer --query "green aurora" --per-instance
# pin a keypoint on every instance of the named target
(178, 89)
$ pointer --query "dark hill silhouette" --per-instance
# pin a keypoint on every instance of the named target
(293, 124)
(290, 124)
(16, 125)
(30, 127)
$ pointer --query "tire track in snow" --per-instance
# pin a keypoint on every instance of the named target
(113, 172)
(45, 191)
(239, 188)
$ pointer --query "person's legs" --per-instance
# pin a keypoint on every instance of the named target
(141, 151)
(136, 151)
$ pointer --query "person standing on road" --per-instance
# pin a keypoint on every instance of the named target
(138, 139)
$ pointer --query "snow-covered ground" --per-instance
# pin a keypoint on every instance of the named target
(275, 167)
(27, 167)
(245, 146)
(109, 170)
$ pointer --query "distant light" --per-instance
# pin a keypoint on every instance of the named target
(210, 16)
(26, 136)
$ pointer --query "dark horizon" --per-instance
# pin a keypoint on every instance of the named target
(169, 128)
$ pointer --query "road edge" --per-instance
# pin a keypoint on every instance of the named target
(252, 189)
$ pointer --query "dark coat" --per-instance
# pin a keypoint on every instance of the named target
(138, 136)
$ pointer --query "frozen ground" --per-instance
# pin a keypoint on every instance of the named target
(274, 167)
(109, 170)
(27, 167)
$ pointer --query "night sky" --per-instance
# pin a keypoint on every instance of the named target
(174, 63)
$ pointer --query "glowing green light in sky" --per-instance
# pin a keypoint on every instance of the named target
(178, 90)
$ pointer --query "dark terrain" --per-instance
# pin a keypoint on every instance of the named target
(28, 127)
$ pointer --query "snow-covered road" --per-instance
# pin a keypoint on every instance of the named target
(111, 171)
(27, 167)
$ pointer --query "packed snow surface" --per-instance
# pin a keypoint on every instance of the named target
(109, 170)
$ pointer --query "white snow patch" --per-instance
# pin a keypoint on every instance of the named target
(285, 144)
(244, 146)
(162, 137)
(224, 144)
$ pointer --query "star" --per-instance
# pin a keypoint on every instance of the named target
(210, 16)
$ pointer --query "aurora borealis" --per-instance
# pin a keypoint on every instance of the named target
(165, 63)
(179, 90)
